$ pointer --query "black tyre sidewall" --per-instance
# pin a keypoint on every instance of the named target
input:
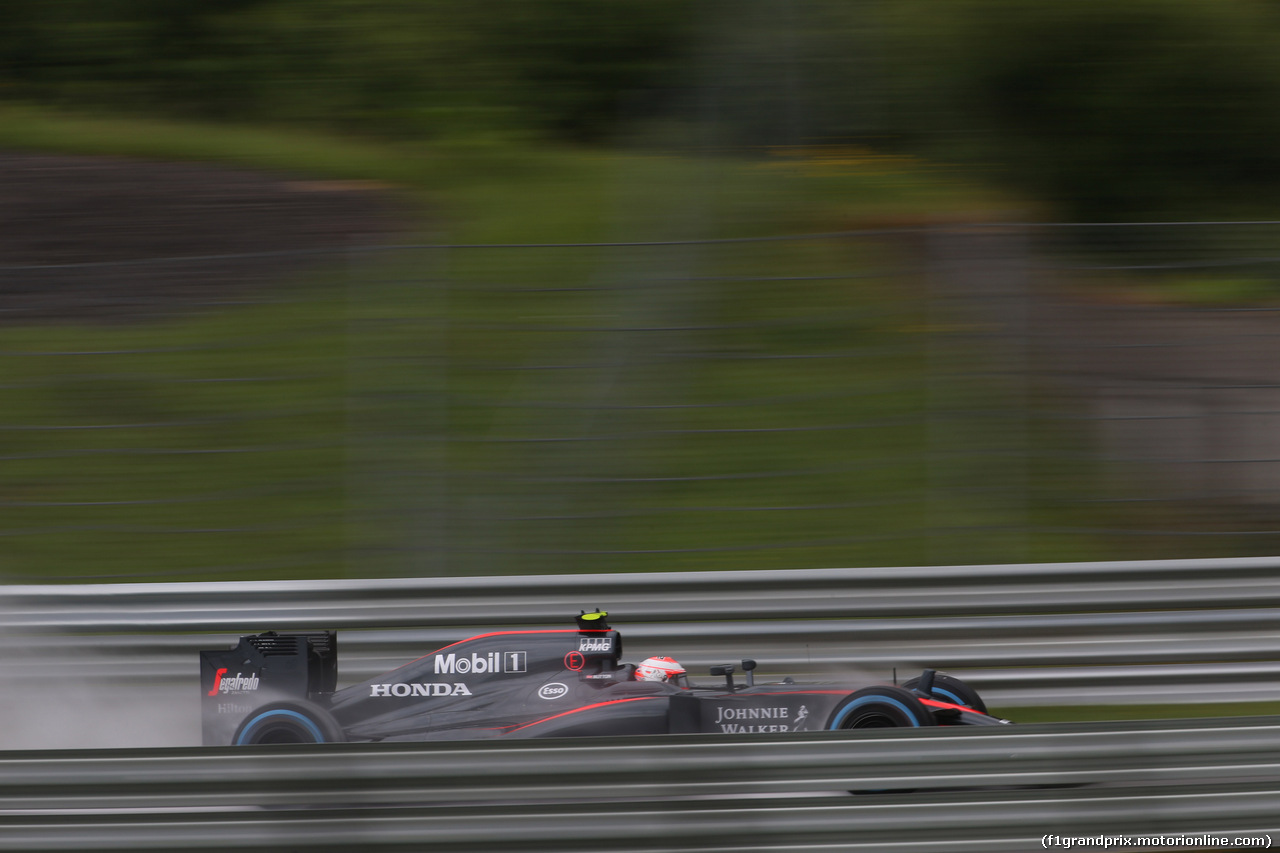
(288, 722)
(882, 706)
(948, 688)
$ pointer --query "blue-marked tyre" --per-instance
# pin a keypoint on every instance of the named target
(948, 688)
(288, 722)
(880, 707)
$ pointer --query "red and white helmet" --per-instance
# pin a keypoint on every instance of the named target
(659, 669)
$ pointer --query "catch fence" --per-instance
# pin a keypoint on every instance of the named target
(967, 393)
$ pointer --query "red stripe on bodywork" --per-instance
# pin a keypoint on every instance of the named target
(948, 706)
(585, 708)
(506, 634)
(791, 693)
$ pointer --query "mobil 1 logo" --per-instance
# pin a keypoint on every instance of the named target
(486, 663)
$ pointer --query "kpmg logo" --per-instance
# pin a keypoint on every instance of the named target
(595, 644)
(234, 684)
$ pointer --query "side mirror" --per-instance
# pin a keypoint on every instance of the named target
(727, 671)
(925, 684)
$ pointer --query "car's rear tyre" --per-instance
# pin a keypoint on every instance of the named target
(288, 722)
(948, 688)
(883, 706)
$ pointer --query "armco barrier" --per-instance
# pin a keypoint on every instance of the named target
(990, 789)
(802, 594)
(1181, 631)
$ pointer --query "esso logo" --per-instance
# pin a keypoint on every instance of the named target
(555, 690)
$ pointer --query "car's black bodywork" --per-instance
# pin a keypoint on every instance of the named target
(275, 688)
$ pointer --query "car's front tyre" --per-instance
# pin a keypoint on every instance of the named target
(883, 706)
(948, 688)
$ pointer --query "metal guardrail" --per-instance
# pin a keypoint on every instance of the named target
(1180, 631)
(975, 790)
(809, 594)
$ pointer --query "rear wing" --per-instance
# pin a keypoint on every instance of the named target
(263, 668)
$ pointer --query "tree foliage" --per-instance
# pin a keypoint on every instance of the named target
(1108, 109)
(390, 66)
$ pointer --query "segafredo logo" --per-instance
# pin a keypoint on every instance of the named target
(595, 644)
(554, 690)
(426, 688)
(482, 664)
(234, 684)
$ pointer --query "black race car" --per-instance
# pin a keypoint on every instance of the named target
(281, 688)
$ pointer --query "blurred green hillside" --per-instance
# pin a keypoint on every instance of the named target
(602, 355)
(670, 401)
(1108, 110)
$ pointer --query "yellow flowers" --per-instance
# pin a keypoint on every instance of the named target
(818, 160)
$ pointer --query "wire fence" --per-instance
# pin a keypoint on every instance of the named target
(992, 392)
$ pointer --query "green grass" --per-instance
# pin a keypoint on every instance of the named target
(486, 190)
(493, 411)
(24, 127)
(1219, 290)
(160, 450)
(1202, 291)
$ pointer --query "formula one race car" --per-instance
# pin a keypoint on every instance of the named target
(281, 688)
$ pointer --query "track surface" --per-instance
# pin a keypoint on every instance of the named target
(64, 210)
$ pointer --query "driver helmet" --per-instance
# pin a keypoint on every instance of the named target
(659, 669)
